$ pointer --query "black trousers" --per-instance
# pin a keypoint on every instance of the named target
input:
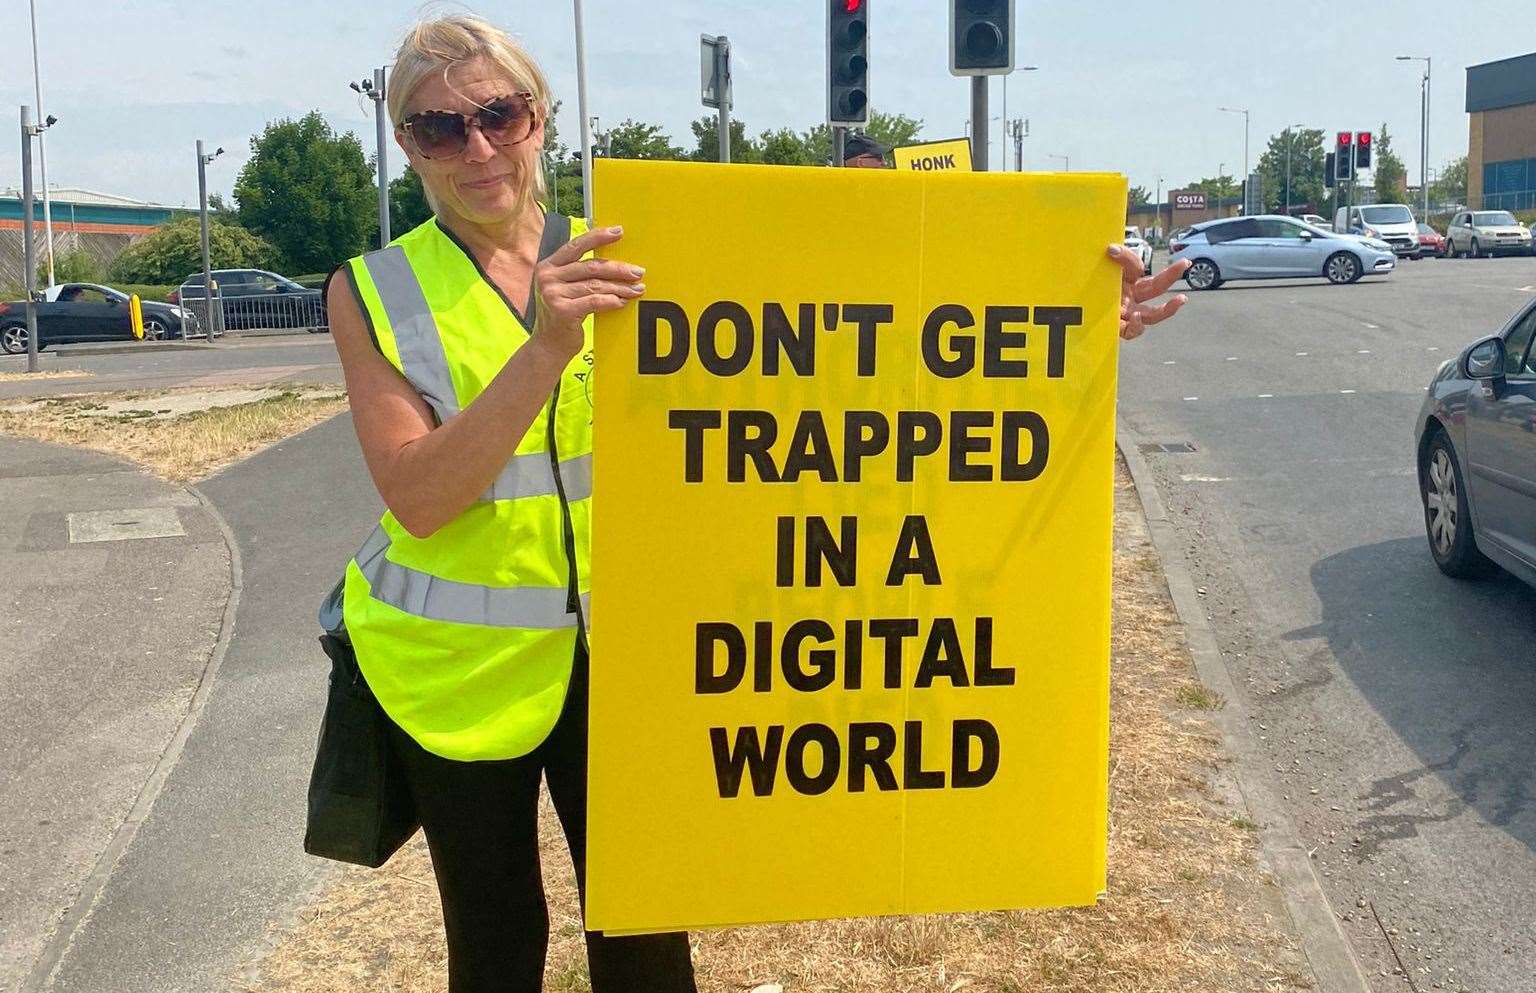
(481, 823)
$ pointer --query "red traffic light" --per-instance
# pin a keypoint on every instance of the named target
(1363, 138)
(1345, 137)
(852, 6)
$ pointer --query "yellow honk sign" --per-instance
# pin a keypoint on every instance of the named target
(951, 155)
(851, 544)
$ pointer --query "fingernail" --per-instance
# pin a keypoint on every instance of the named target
(1114, 250)
(639, 288)
(616, 229)
(636, 271)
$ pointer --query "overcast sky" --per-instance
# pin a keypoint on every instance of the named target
(1124, 87)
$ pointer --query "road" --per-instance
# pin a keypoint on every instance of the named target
(1395, 708)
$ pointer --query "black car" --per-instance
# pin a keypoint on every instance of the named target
(77, 312)
(253, 299)
(1477, 455)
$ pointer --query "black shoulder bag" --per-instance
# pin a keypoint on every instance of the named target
(360, 808)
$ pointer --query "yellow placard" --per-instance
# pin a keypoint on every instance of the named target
(136, 316)
(851, 544)
(950, 155)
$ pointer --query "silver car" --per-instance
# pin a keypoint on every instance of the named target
(1486, 232)
(1476, 435)
(1270, 246)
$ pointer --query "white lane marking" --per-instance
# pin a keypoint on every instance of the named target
(1434, 348)
(1301, 353)
(1169, 362)
(1231, 358)
(1528, 289)
(1266, 396)
(1364, 351)
(1191, 398)
(1373, 327)
(1346, 391)
(1206, 479)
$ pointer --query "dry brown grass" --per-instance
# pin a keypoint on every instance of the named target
(22, 377)
(188, 447)
(1188, 908)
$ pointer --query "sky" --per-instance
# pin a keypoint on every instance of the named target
(1121, 87)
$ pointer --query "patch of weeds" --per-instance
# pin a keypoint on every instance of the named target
(1243, 823)
(1193, 696)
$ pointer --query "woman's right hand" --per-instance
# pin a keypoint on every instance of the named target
(570, 287)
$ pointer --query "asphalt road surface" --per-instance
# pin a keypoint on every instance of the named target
(1396, 707)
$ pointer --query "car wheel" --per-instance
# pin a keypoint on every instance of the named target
(155, 329)
(1447, 522)
(1202, 275)
(13, 338)
(1477, 250)
(1341, 268)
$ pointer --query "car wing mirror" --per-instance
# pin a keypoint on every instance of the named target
(1485, 360)
(1307, 236)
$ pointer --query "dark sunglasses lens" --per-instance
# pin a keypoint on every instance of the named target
(506, 120)
(437, 134)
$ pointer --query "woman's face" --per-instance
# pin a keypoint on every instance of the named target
(484, 184)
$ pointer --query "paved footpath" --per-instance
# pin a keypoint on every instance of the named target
(217, 860)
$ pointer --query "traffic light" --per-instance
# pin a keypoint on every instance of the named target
(1328, 168)
(981, 37)
(847, 62)
(1344, 157)
(1363, 150)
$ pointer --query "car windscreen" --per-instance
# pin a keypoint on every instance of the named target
(1394, 213)
(1493, 219)
(1426, 229)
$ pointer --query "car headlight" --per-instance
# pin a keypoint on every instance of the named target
(1378, 244)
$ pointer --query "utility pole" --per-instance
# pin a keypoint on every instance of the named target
(1020, 131)
(1423, 127)
(202, 209)
(28, 253)
(42, 153)
(374, 90)
(581, 100)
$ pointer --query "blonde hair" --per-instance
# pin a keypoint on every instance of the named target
(433, 47)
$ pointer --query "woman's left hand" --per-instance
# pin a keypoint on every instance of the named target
(1138, 310)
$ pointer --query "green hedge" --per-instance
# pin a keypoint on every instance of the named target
(313, 281)
(153, 292)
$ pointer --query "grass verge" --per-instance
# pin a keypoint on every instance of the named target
(182, 448)
(1188, 906)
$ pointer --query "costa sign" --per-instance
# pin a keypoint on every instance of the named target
(1189, 200)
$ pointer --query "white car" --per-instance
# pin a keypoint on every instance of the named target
(1317, 221)
(1136, 243)
(1486, 232)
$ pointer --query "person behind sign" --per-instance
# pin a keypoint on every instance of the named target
(860, 151)
(466, 345)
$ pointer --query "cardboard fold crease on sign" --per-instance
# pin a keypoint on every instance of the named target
(853, 545)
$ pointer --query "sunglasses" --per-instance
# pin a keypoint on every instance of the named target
(442, 134)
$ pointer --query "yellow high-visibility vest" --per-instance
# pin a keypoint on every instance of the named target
(467, 637)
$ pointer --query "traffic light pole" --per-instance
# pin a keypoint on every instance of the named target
(979, 130)
(839, 135)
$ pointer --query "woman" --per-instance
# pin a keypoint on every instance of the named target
(465, 346)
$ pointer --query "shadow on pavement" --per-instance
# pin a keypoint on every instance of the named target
(1451, 666)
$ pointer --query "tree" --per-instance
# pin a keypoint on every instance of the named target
(1450, 187)
(637, 140)
(74, 266)
(1387, 172)
(706, 136)
(1218, 187)
(785, 147)
(173, 251)
(310, 192)
(408, 204)
(893, 130)
(1306, 172)
(1137, 196)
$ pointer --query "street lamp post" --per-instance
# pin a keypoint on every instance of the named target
(202, 209)
(581, 100)
(1239, 110)
(1019, 129)
(1423, 127)
(42, 153)
(374, 90)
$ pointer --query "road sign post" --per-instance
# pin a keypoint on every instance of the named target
(715, 85)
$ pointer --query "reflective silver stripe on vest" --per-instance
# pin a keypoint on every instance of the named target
(531, 475)
(424, 595)
(416, 338)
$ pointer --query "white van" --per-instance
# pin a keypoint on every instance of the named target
(1393, 223)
